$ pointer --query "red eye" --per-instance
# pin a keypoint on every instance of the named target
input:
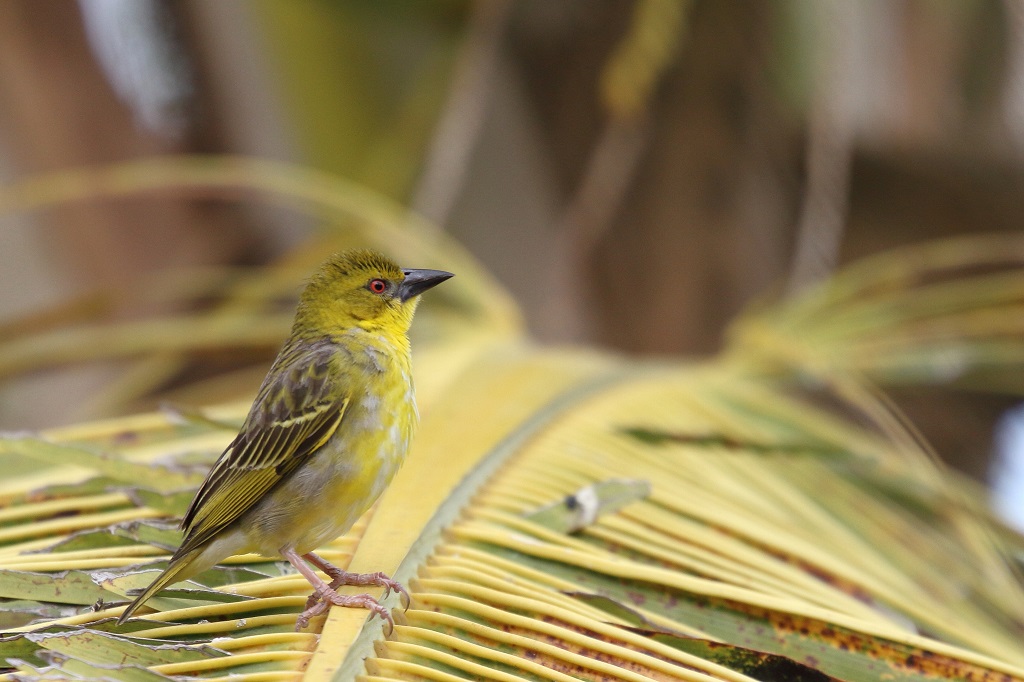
(377, 286)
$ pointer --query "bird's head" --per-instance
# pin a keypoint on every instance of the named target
(364, 289)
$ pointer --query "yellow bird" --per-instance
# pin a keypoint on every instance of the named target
(328, 430)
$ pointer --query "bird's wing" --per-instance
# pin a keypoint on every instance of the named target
(296, 411)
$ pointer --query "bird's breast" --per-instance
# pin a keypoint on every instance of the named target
(382, 425)
(349, 472)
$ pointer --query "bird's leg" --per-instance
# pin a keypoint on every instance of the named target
(340, 577)
(324, 595)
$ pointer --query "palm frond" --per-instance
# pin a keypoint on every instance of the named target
(565, 514)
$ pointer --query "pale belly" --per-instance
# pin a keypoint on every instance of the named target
(328, 494)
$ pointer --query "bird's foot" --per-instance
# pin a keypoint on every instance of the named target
(323, 598)
(340, 577)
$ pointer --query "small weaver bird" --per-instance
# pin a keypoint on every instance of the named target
(328, 430)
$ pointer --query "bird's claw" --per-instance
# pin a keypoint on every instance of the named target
(321, 600)
(385, 616)
(403, 596)
(326, 594)
(340, 578)
(390, 585)
(301, 622)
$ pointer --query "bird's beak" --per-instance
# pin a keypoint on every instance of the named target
(418, 281)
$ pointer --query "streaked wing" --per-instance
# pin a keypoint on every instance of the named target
(295, 412)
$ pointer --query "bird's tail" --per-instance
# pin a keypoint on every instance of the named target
(177, 570)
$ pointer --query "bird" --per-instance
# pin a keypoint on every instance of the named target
(328, 430)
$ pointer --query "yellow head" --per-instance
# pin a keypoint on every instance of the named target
(362, 288)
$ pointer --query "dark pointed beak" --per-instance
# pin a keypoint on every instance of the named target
(418, 281)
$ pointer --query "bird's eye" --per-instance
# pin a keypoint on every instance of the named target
(377, 286)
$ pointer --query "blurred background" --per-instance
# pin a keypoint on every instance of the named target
(635, 172)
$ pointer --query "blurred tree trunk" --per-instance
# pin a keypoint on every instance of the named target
(707, 221)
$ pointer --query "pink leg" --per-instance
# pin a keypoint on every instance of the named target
(324, 595)
(340, 577)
